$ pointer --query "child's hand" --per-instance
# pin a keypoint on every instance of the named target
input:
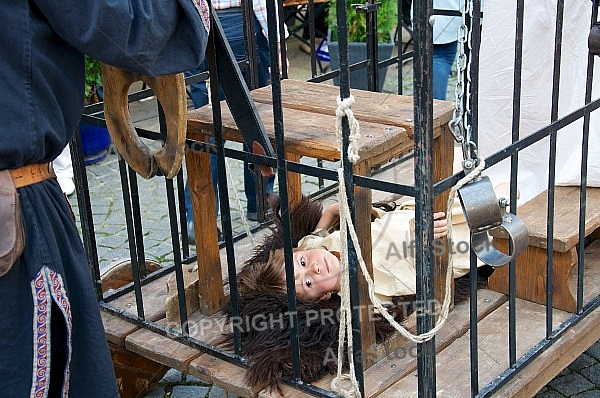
(440, 225)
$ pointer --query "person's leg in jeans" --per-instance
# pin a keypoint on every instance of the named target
(443, 58)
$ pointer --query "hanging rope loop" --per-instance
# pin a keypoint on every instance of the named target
(344, 108)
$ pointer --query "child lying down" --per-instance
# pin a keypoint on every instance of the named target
(262, 286)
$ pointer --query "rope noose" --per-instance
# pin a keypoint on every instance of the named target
(344, 109)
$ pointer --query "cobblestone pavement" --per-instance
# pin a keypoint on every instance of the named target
(581, 379)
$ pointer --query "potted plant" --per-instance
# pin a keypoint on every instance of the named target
(95, 140)
(387, 19)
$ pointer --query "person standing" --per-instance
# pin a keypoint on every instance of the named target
(230, 16)
(445, 41)
(52, 341)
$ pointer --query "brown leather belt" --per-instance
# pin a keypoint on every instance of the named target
(31, 174)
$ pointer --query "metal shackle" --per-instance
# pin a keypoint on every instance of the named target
(482, 212)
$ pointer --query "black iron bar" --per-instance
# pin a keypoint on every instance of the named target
(176, 256)
(250, 44)
(476, 45)
(282, 39)
(123, 170)
(311, 33)
(85, 212)
(423, 148)
(224, 194)
(552, 169)
(514, 166)
(283, 191)
(137, 224)
(341, 13)
(185, 247)
(584, 167)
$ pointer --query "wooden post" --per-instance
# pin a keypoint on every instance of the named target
(443, 158)
(362, 213)
(210, 280)
(294, 181)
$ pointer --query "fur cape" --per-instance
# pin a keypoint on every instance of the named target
(264, 318)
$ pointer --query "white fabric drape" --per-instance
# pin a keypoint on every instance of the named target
(496, 91)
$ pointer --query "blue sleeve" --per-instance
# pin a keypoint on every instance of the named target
(153, 37)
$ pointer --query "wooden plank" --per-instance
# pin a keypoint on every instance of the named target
(552, 361)
(161, 349)
(154, 295)
(566, 217)
(396, 361)
(372, 107)
(453, 363)
(116, 329)
(290, 392)
(222, 374)
(306, 134)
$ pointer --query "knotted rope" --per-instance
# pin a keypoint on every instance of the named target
(346, 225)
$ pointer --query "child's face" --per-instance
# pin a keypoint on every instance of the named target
(316, 272)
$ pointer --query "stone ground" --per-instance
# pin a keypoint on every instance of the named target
(581, 379)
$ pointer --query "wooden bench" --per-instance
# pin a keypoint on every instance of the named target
(531, 265)
(309, 129)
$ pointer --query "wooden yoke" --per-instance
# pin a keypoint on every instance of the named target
(170, 91)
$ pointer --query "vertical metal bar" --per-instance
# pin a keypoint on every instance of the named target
(349, 182)
(372, 55)
(85, 212)
(282, 49)
(177, 256)
(123, 169)
(182, 214)
(250, 41)
(283, 191)
(423, 67)
(137, 223)
(399, 29)
(552, 167)
(224, 194)
(512, 327)
(584, 166)
(311, 31)
(474, 101)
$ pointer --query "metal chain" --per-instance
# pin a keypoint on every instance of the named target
(460, 126)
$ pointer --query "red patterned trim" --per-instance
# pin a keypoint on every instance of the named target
(41, 324)
(61, 299)
(202, 7)
(47, 284)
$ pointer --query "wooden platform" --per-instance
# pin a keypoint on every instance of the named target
(531, 265)
(394, 370)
